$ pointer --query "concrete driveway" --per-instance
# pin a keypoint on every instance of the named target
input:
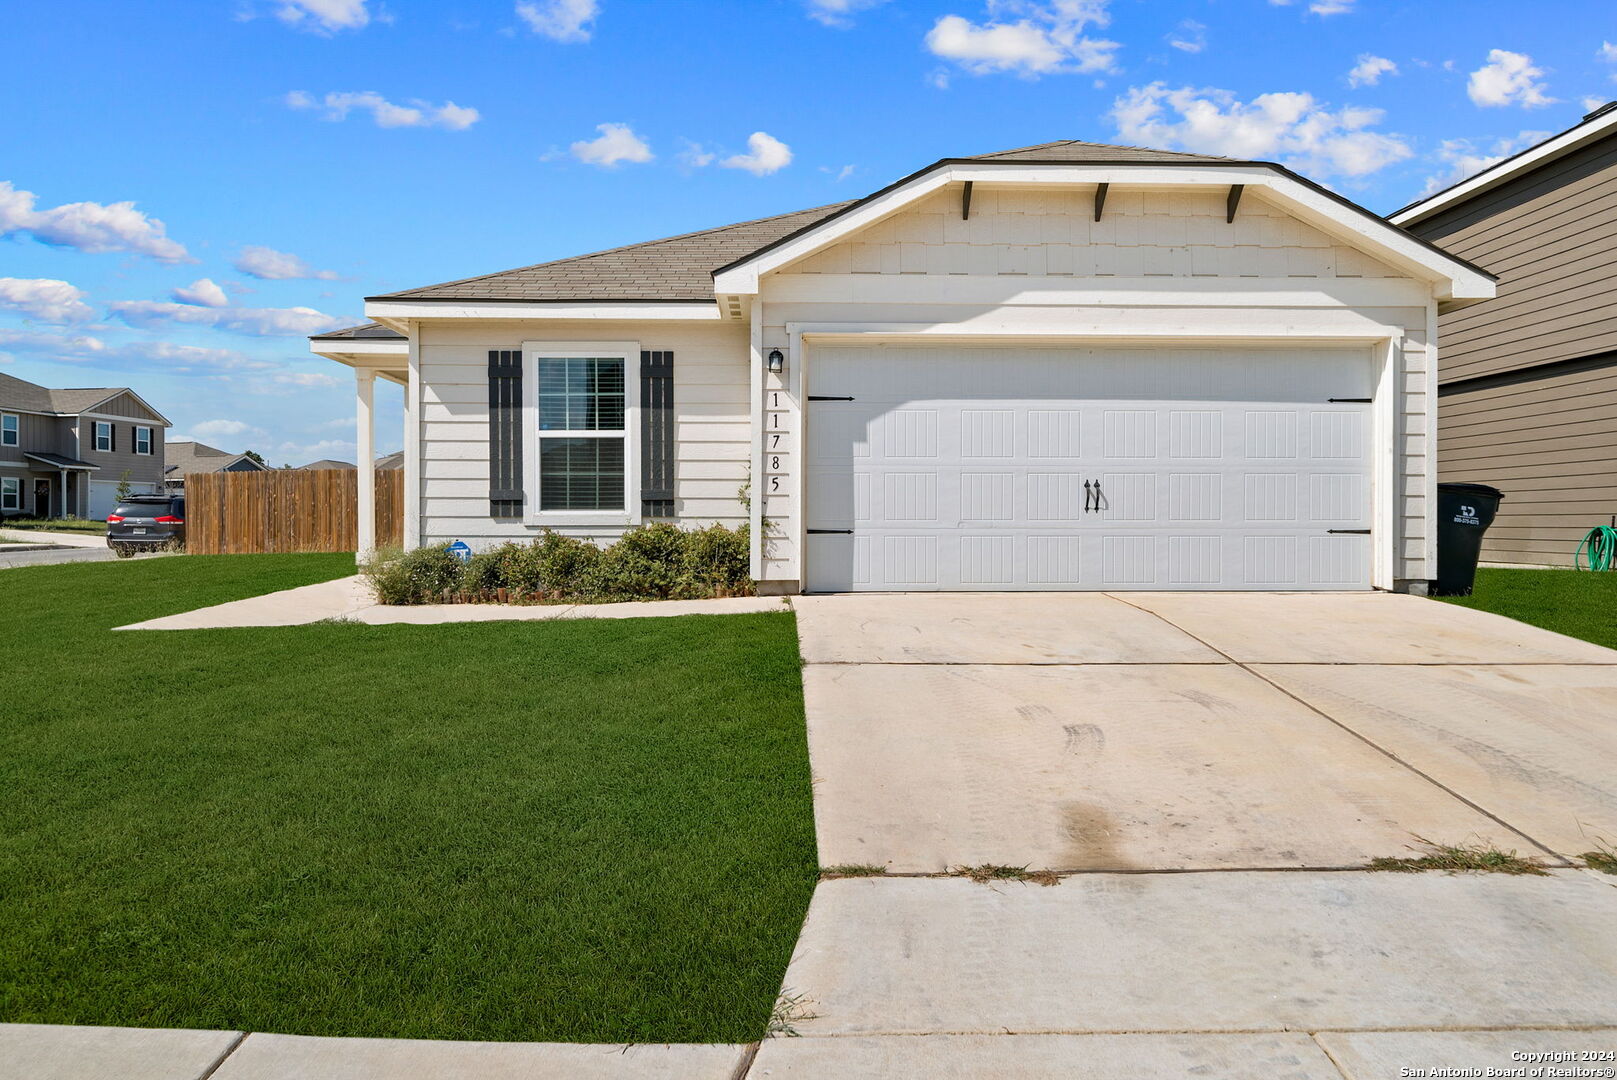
(1168, 756)
(1197, 731)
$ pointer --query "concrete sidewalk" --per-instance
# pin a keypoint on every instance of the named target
(350, 598)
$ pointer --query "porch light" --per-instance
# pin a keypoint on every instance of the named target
(777, 362)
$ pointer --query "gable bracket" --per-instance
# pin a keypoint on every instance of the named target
(1232, 202)
(1100, 198)
(965, 202)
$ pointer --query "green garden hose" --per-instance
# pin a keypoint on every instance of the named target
(1599, 548)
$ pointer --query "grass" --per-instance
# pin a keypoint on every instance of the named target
(576, 831)
(848, 870)
(75, 525)
(1460, 858)
(988, 873)
(1602, 858)
(1579, 604)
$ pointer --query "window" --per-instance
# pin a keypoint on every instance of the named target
(10, 493)
(103, 436)
(8, 429)
(583, 404)
(143, 441)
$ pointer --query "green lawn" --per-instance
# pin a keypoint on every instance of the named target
(73, 525)
(591, 830)
(1577, 603)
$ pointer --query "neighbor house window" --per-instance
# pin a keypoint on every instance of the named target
(8, 429)
(143, 440)
(582, 403)
(10, 493)
(103, 436)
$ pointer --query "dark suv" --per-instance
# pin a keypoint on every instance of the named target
(146, 523)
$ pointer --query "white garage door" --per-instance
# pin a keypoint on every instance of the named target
(104, 496)
(1103, 468)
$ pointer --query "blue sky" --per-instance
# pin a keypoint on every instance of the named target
(286, 158)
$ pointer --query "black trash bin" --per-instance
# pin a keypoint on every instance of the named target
(1464, 512)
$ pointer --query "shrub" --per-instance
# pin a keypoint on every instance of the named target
(653, 562)
(718, 560)
(421, 576)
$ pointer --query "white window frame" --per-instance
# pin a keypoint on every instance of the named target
(12, 499)
(95, 436)
(147, 432)
(629, 352)
(15, 431)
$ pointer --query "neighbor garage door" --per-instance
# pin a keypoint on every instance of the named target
(972, 468)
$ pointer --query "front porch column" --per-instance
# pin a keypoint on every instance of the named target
(365, 415)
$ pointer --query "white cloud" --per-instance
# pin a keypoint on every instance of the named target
(417, 113)
(837, 13)
(163, 356)
(1466, 157)
(559, 20)
(765, 154)
(88, 226)
(1508, 79)
(45, 299)
(1607, 52)
(1322, 7)
(203, 292)
(311, 379)
(838, 175)
(1046, 39)
(1369, 69)
(616, 143)
(217, 429)
(1590, 104)
(324, 16)
(694, 155)
(1290, 126)
(267, 264)
(1190, 36)
(261, 322)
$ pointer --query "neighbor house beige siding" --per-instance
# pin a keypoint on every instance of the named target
(1545, 437)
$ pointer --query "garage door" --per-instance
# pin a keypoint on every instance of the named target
(1059, 468)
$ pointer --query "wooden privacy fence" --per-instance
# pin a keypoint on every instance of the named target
(240, 513)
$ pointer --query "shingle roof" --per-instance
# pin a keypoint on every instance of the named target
(675, 268)
(366, 332)
(185, 456)
(329, 463)
(31, 397)
(680, 268)
(1073, 150)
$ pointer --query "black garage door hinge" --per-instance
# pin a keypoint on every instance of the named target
(1350, 532)
(814, 397)
(827, 532)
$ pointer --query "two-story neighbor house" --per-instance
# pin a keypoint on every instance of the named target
(1068, 366)
(1529, 386)
(66, 452)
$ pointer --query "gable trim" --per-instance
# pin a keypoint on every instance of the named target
(1456, 278)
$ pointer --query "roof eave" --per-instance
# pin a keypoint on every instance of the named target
(1536, 156)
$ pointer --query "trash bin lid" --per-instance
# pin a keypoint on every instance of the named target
(1472, 489)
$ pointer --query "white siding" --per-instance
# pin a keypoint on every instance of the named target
(710, 404)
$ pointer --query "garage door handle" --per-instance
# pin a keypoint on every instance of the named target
(1348, 400)
(816, 397)
(830, 532)
(1089, 496)
(1348, 532)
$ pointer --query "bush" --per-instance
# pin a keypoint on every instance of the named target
(421, 576)
(653, 562)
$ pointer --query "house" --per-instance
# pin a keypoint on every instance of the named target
(187, 457)
(1069, 366)
(64, 453)
(329, 463)
(1529, 384)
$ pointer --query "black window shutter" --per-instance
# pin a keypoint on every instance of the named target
(657, 434)
(505, 433)
(112, 437)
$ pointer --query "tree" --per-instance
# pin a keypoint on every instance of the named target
(256, 456)
(125, 488)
